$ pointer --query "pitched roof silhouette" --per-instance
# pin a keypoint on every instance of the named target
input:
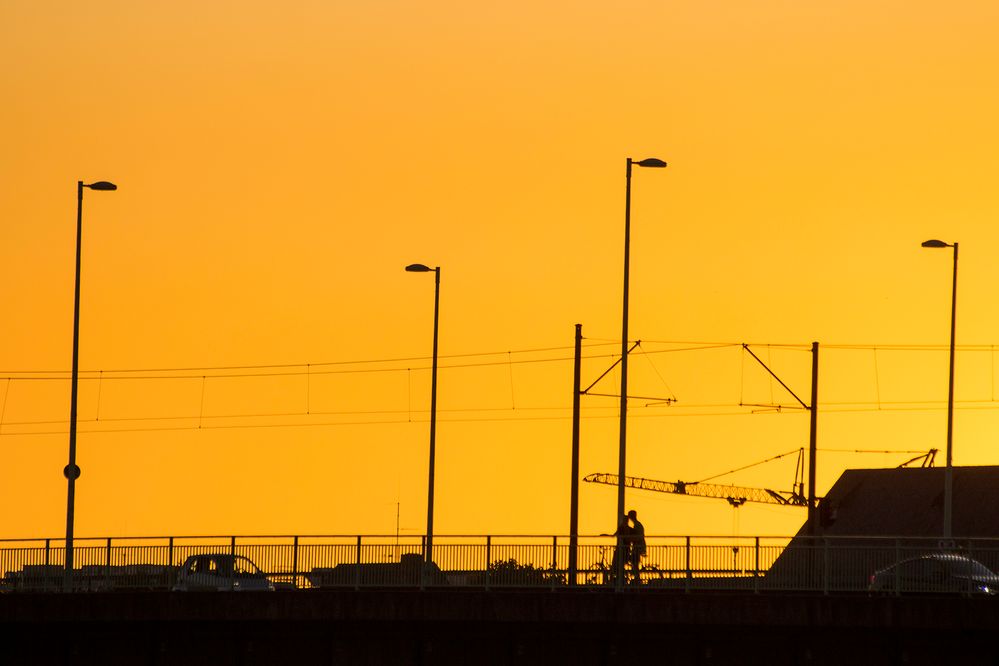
(908, 502)
(873, 518)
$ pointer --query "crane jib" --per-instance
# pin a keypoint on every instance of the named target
(711, 490)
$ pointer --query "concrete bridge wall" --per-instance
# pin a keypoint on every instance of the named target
(497, 627)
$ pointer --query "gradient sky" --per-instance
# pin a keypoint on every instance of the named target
(280, 163)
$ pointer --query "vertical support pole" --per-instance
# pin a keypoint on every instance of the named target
(554, 558)
(971, 556)
(574, 481)
(294, 563)
(756, 567)
(170, 552)
(357, 563)
(813, 441)
(232, 572)
(898, 570)
(425, 566)
(489, 556)
(107, 564)
(72, 471)
(949, 472)
(47, 551)
(825, 566)
(687, 564)
(622, 444)
(433, 422)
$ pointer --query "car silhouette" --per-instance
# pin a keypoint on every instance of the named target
(221, 572)
(937, 572)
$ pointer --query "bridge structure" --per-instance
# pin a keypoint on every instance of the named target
(496, 600)
(823, 565)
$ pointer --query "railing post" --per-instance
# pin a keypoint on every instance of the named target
(170, 552)
(554, 561)
(232, 572)
(47, 551)
(107, 565)
(825, 565)
(898, 570)
(357, 568)
(756, 566)
(294, 564)
(971, 556)
(489, 557)
(686, 585)
(425, 566)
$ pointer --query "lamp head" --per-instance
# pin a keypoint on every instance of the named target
(652, 162)
(935, 243)
(102, 185)
(418, 268)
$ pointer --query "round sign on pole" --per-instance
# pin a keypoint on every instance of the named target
(71, 471)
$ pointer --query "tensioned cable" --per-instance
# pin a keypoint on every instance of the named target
(877, 378)
(296, 365)
(250, 426)
(870, 451)
(697, 346)
(3, 410)
(460, 420)
(656, 370)
(843, 407)
(305, 369)
(739, 469)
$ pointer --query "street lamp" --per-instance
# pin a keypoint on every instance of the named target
(72, 470)
(420, 268)
(655, 163)
(949, 471)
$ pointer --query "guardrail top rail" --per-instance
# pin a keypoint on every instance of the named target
(891, 565)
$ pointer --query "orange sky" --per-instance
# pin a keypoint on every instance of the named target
(279, 164)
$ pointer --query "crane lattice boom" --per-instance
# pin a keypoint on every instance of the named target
(735, 495)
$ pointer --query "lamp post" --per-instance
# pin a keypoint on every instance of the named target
(949, 470)
(72, 470)
(420, 268)
(651, 162)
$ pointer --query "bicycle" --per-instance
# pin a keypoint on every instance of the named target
(603, 573)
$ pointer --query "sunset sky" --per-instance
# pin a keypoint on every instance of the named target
(279, 164)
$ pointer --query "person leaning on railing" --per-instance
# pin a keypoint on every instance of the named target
(622, 549)
(636, 543)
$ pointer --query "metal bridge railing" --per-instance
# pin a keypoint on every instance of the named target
(759, 564)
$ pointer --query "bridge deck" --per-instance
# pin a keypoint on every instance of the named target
(499, 627)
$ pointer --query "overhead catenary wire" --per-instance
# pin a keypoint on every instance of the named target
(296, 369)
(567, 417)
(268, 366)
(688, 409)
(755, 464)
(715, 407)
(301, 369)
(658, 374)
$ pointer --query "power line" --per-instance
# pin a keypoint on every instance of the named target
(303, 370)
(275, 366)
(202, 426)
(298, 369)
(847, 406)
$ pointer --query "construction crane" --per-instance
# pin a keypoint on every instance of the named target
(735, 495)
(739, 495)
